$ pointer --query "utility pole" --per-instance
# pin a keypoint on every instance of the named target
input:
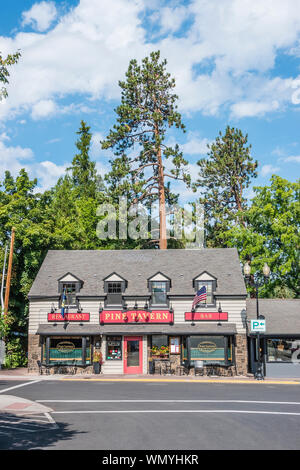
(8, 279)
(3, 281)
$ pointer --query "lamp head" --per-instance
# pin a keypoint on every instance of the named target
(247, 270)
(266, 271)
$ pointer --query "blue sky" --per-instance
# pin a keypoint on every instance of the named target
(235, 62)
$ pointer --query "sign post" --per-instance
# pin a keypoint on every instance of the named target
(2, 352)
(258, 326)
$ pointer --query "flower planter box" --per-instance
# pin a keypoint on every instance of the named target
(96, 367)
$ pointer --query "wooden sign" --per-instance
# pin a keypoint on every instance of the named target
(136, 316)
(206, 316)
(69, 317)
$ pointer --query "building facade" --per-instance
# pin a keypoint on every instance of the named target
(135, 308)
(280, 343)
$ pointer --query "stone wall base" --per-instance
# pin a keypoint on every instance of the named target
(34, 353)
(241, 354)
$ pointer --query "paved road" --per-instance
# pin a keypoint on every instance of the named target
(116, 415)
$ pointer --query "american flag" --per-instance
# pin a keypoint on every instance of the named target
(200, 295)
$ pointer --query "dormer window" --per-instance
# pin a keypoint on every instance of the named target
(71, 285)
(70, 291)
(210, 282)
(114, 286)
(159, 285)
(209, 291)
(114, 293)
(159, 292)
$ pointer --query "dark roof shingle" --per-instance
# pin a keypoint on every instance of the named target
(136, 266)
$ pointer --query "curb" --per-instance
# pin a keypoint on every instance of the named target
(17, 405)
(190, 381)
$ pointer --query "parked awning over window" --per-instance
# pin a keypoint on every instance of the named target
(224, 329)
(68, 330)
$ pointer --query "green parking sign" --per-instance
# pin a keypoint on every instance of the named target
(258, 326)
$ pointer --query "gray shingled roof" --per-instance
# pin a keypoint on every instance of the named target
(282, 315)
(136, 266)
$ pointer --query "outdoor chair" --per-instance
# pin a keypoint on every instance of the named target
(184, 368)
(199, 368)
(167, 370)
(212, 369)
(42, 368)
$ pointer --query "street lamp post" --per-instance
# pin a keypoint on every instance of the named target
(257, 282)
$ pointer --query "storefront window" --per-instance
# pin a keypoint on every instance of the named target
(113, 348)
(283, 350)
(160, 345)
(209, 348)
(67, 350)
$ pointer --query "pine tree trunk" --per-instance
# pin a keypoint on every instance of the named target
(162, 204)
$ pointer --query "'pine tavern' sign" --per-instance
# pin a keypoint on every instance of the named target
(136, 316)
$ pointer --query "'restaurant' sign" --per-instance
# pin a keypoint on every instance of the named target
(136, 316)
(206, 316)
(69, 317)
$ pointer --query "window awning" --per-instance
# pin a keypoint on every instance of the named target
(174, 330)
(68, 330)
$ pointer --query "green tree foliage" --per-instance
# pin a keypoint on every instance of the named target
(22, 208)
(11, 59)
(272, 235)
(83, 170)
(223, 178)
(148, 108)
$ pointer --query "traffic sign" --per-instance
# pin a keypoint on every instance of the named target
(258, 326)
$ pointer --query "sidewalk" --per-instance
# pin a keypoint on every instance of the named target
(18, 405)
(22, 374)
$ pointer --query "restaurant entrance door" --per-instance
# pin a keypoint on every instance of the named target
(133, 355)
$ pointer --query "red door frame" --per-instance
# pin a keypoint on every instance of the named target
(133, 370)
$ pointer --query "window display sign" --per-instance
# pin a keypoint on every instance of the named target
(69, 317)
(175, 345)
(113, 348)
(136, 316)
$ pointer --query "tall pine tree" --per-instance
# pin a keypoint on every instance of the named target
(223, 178)
(148, 108)
(83, 170)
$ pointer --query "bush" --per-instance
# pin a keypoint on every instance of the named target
(15, 354)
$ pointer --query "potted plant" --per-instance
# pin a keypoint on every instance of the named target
(164, 351)
(155, 351)
(97, 362)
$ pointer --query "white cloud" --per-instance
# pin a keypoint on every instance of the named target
(295, 159)
(16, 158)
(13, 158)
(171, 18)
(53, 141)
(252, 108)
(42, 109)
(40, 16)
(269, 169)
(89, 48)
(47, 173)
(195, 145)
